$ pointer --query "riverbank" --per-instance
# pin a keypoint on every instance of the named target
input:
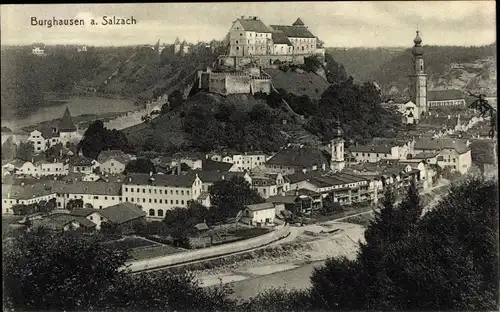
(77, 106)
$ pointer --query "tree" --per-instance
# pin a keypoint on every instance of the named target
(74, 204)
(25, 151)
(175, 99)
(140, 165)
(70, 271)
(53, 151)
(97, 138)
(59, 271)
(9, 149)
(445, 260)
(229, 197)
(47, 206)
(180, 222)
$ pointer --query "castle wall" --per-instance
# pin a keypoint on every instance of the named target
(238, 84)
(261, 85)
(217, 83)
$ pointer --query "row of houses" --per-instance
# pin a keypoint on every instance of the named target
(451, 153)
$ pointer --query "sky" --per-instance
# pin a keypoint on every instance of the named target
(338, 24)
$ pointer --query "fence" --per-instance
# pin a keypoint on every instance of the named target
(211, 252)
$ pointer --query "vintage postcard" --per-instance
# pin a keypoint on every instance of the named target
(252, 156)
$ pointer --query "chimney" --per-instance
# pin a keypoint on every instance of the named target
(151, 173)
(179, 167)
(129, 179)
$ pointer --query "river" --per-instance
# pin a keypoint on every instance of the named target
(298, 278)
(77, 106)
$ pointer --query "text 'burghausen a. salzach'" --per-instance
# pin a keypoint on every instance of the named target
(105, 20)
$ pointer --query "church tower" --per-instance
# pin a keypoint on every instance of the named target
(337, 162)
(418, 78)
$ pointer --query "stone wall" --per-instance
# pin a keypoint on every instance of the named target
(238, 84)
(264, 61)
(261, 85)
(195, 255)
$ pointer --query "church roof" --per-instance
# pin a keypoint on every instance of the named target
(67, 124)
(294, 31)
(254, 24)
(443, 95)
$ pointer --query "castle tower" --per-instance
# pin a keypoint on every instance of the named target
(418, 78)
(337, 162)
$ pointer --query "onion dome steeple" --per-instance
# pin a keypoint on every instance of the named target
(338, 132)
(417, 48)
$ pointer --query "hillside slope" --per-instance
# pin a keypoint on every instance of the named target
(439, 60)
(304, 83)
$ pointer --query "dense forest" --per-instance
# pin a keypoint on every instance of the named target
(30, 82)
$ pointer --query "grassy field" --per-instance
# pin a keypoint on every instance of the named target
(129, 242)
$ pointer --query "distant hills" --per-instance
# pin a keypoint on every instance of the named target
(390, 67)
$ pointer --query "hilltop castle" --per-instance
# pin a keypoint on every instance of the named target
(252, 40)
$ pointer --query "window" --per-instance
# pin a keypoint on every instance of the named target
(131, 199)
(131, 190)
(160, 213)
(171, 202)
(105, 197)
(151, 212)
(237, 48)
(161, 201)
(102, 218)
(176, 192)
(187, 192)
(176, 202)
(182, 202)
(182, 192)
(138, 190)
(126, 199)
(236, 41)
(150, 200)
(96, 197)
(155, 191)
(171, 192)
(144, 190)
(91, 218)
(150, 191)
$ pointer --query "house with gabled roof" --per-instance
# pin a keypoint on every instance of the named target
(259, 214)
(122, 216)
(454, 154)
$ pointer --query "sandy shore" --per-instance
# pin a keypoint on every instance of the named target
(310, 244)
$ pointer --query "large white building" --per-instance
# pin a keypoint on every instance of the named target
(161, 192)
(250, 36)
